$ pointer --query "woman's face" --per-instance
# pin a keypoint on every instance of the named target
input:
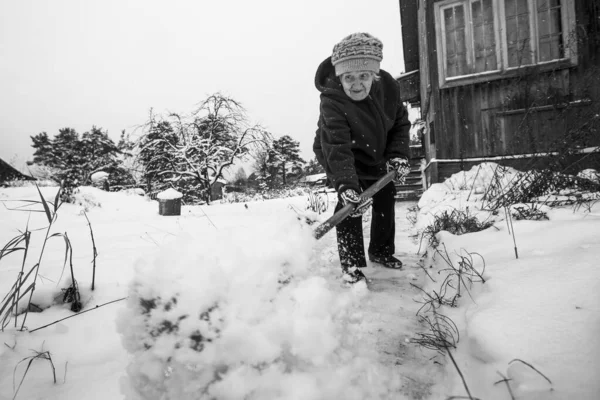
(357, 85)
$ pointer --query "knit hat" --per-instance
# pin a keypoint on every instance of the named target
(357, 52)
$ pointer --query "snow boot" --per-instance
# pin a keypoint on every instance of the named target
(352, 275)
(388, 261)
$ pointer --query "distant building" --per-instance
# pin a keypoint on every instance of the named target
(314, 180)
(9, 173)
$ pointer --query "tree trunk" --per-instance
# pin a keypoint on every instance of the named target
(208, 187)
(284, 181)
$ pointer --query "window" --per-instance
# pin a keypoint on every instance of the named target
(482, 37)
(469, 37)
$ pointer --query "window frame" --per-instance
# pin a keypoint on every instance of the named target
(503, 70)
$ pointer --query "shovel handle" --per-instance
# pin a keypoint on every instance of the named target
(349, 208)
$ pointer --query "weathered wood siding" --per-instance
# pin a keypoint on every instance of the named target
(410, 34)
(517, 115)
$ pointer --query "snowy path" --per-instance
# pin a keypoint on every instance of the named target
(126, 228)
(389, 310)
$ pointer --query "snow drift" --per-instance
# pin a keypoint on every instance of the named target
(231, 317)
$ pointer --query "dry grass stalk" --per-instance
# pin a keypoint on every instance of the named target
(507, 382)
(512, 230)
(25, 284)
(10, 301)
(442, 333)
(458, 278)
(74, 315)
(95, 253)
(532, 367)
(45, 355)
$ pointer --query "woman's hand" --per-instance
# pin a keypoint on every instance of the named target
(351, 196)
(401, 166)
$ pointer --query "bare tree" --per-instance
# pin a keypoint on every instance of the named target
(207, 141)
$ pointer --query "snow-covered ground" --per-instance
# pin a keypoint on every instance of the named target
(238, 301)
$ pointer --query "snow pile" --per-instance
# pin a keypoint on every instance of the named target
(88, 198)
(232, 317)
(489, 187)
(590, 174)
(535, 319)
(99, 177)
(464, 190)
(169, 194)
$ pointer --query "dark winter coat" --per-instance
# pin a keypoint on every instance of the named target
(354, 139)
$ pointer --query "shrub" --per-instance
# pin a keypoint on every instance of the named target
(317, 202)
(457, 222)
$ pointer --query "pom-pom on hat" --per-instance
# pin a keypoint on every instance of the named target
(357, 52)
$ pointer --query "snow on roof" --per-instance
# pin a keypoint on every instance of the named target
(169, 194)
(315, 177)
(99, 176)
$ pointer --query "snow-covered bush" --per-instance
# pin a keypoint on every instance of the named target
(85, 199)
(530, 211)
(457, 222)
(238, 316)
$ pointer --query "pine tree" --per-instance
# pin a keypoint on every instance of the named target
(313, 167)
(155, 147)
(75, 159)
(287, 155)
(266, 163)
(43, 149)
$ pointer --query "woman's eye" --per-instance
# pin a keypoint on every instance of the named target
(364, 77)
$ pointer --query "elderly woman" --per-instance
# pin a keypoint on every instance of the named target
(363, 132)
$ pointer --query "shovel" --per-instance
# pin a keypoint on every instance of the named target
(339, 216)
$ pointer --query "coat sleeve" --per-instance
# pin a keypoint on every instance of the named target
(398, 138)
(317, 148)
(336, 145)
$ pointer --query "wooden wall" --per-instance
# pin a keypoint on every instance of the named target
(517, 115)
(512, 116)
(410, 34)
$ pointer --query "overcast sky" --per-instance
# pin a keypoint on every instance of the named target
(74, 63)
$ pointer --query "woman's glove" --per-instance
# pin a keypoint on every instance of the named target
(401, 166)
(350, 196)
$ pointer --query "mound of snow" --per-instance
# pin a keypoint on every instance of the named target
(237, 315)
(169, 194)
(99, 177)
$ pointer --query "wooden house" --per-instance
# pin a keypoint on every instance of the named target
(509, 81)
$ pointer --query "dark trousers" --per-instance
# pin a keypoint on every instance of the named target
(383, 229)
